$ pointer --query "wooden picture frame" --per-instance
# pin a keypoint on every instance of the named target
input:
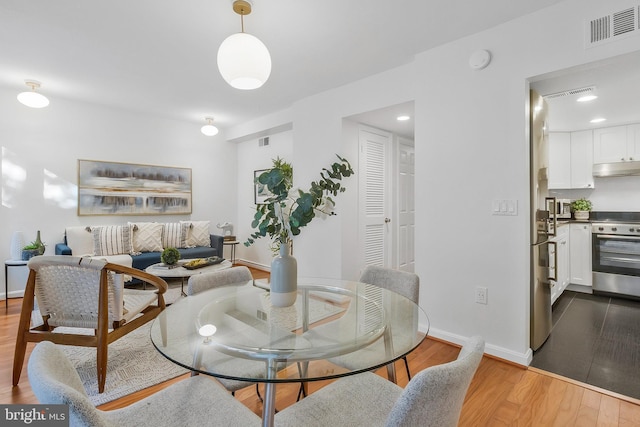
(112, 188)
(260, 192)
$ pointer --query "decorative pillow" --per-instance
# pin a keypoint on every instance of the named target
(111, 240)
(175, 235)
(198, 234)
(146, 236)
(80, 240)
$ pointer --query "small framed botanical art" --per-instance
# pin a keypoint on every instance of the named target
(261, 192)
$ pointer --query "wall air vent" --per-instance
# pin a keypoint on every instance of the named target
(263, 142)
(614, 26)
(579, 91)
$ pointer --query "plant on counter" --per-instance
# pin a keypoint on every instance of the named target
(582, 204)
(170, 256)
(289, 209)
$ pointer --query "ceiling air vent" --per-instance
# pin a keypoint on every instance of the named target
(263, 142)
(579, 91)
(612, 27)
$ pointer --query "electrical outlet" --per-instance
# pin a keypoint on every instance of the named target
(481, 294)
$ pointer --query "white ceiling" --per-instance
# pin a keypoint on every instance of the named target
(158, 56)
(617, 85)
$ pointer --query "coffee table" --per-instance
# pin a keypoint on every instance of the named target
(180, 272)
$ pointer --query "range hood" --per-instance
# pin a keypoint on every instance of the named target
(603, 170)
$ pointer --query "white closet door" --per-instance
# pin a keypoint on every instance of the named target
(406, 205)
(375, 228)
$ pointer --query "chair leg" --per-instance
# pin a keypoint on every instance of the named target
(406, 365)
(23, 328)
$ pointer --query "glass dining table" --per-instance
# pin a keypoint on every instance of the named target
(336, 328)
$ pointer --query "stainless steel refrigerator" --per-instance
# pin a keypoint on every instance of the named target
(543, 225)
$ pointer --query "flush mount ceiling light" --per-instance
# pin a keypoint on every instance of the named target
(402, 118)
(32, 98)
(243, 60)
(598, 120)
(209, 129)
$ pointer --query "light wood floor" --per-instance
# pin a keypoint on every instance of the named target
(501, 393)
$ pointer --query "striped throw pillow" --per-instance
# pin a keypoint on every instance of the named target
(175, 235)
(111, 240)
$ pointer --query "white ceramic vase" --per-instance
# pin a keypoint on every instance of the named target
(284, 278)
(17, 243)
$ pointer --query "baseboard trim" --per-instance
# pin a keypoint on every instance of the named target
(501, 353)
(252, 264)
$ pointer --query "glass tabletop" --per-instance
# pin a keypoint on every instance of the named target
(339, 327)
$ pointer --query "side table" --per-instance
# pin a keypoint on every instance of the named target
(10, 263)
(233, 244)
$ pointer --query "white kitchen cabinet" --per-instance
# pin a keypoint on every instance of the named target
(580, 254)
(571, 160)
(614, 144)
(559, 259)
(582, 159)
(633, 140)
(559, 160)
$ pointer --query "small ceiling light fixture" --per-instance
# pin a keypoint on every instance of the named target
(243, 60)
(402, 118)
(598, 120)
(209, 129)
(32, 98)
(587, 98)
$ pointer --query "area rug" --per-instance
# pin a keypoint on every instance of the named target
(133, 364)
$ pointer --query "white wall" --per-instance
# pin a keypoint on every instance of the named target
(611, 194)
(472, 146)
(46, 145)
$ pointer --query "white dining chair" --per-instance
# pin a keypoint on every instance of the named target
(196, 401)
(433, 397)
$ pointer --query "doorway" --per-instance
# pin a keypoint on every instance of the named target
(588, 326)
(386, 170)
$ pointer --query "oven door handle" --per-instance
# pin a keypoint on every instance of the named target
(616, 237)
(555, 262)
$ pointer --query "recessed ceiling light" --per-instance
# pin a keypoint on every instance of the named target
(403, 118)
(587, 98)
(598, 120)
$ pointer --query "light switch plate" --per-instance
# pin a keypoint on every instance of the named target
(505, 207)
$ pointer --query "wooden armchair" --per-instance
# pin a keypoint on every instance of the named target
(85, 293)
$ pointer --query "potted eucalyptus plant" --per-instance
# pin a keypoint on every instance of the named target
(286, 212)
(581, 208)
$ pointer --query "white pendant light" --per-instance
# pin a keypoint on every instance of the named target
(243, 60)
(209, 129)
(32, 98)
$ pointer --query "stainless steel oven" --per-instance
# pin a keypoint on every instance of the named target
(616, 258)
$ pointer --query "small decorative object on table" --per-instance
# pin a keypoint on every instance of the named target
(285, 212)
(37, 247)
(581, 208)
(17, 243)
(202, 262)
(170, 256)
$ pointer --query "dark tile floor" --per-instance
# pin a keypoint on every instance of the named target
(596, 340)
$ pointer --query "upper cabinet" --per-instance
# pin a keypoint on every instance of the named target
(571, 159)
(616, 144)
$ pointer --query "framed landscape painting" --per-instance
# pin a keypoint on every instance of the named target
(111, 188)
(261, 192)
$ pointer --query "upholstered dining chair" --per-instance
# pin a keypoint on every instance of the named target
(234, 276)
(433, 397)
(85, 293)
(401, 282)
(195, 401)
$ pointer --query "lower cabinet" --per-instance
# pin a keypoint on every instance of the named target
(580, 254)
(559, 257)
